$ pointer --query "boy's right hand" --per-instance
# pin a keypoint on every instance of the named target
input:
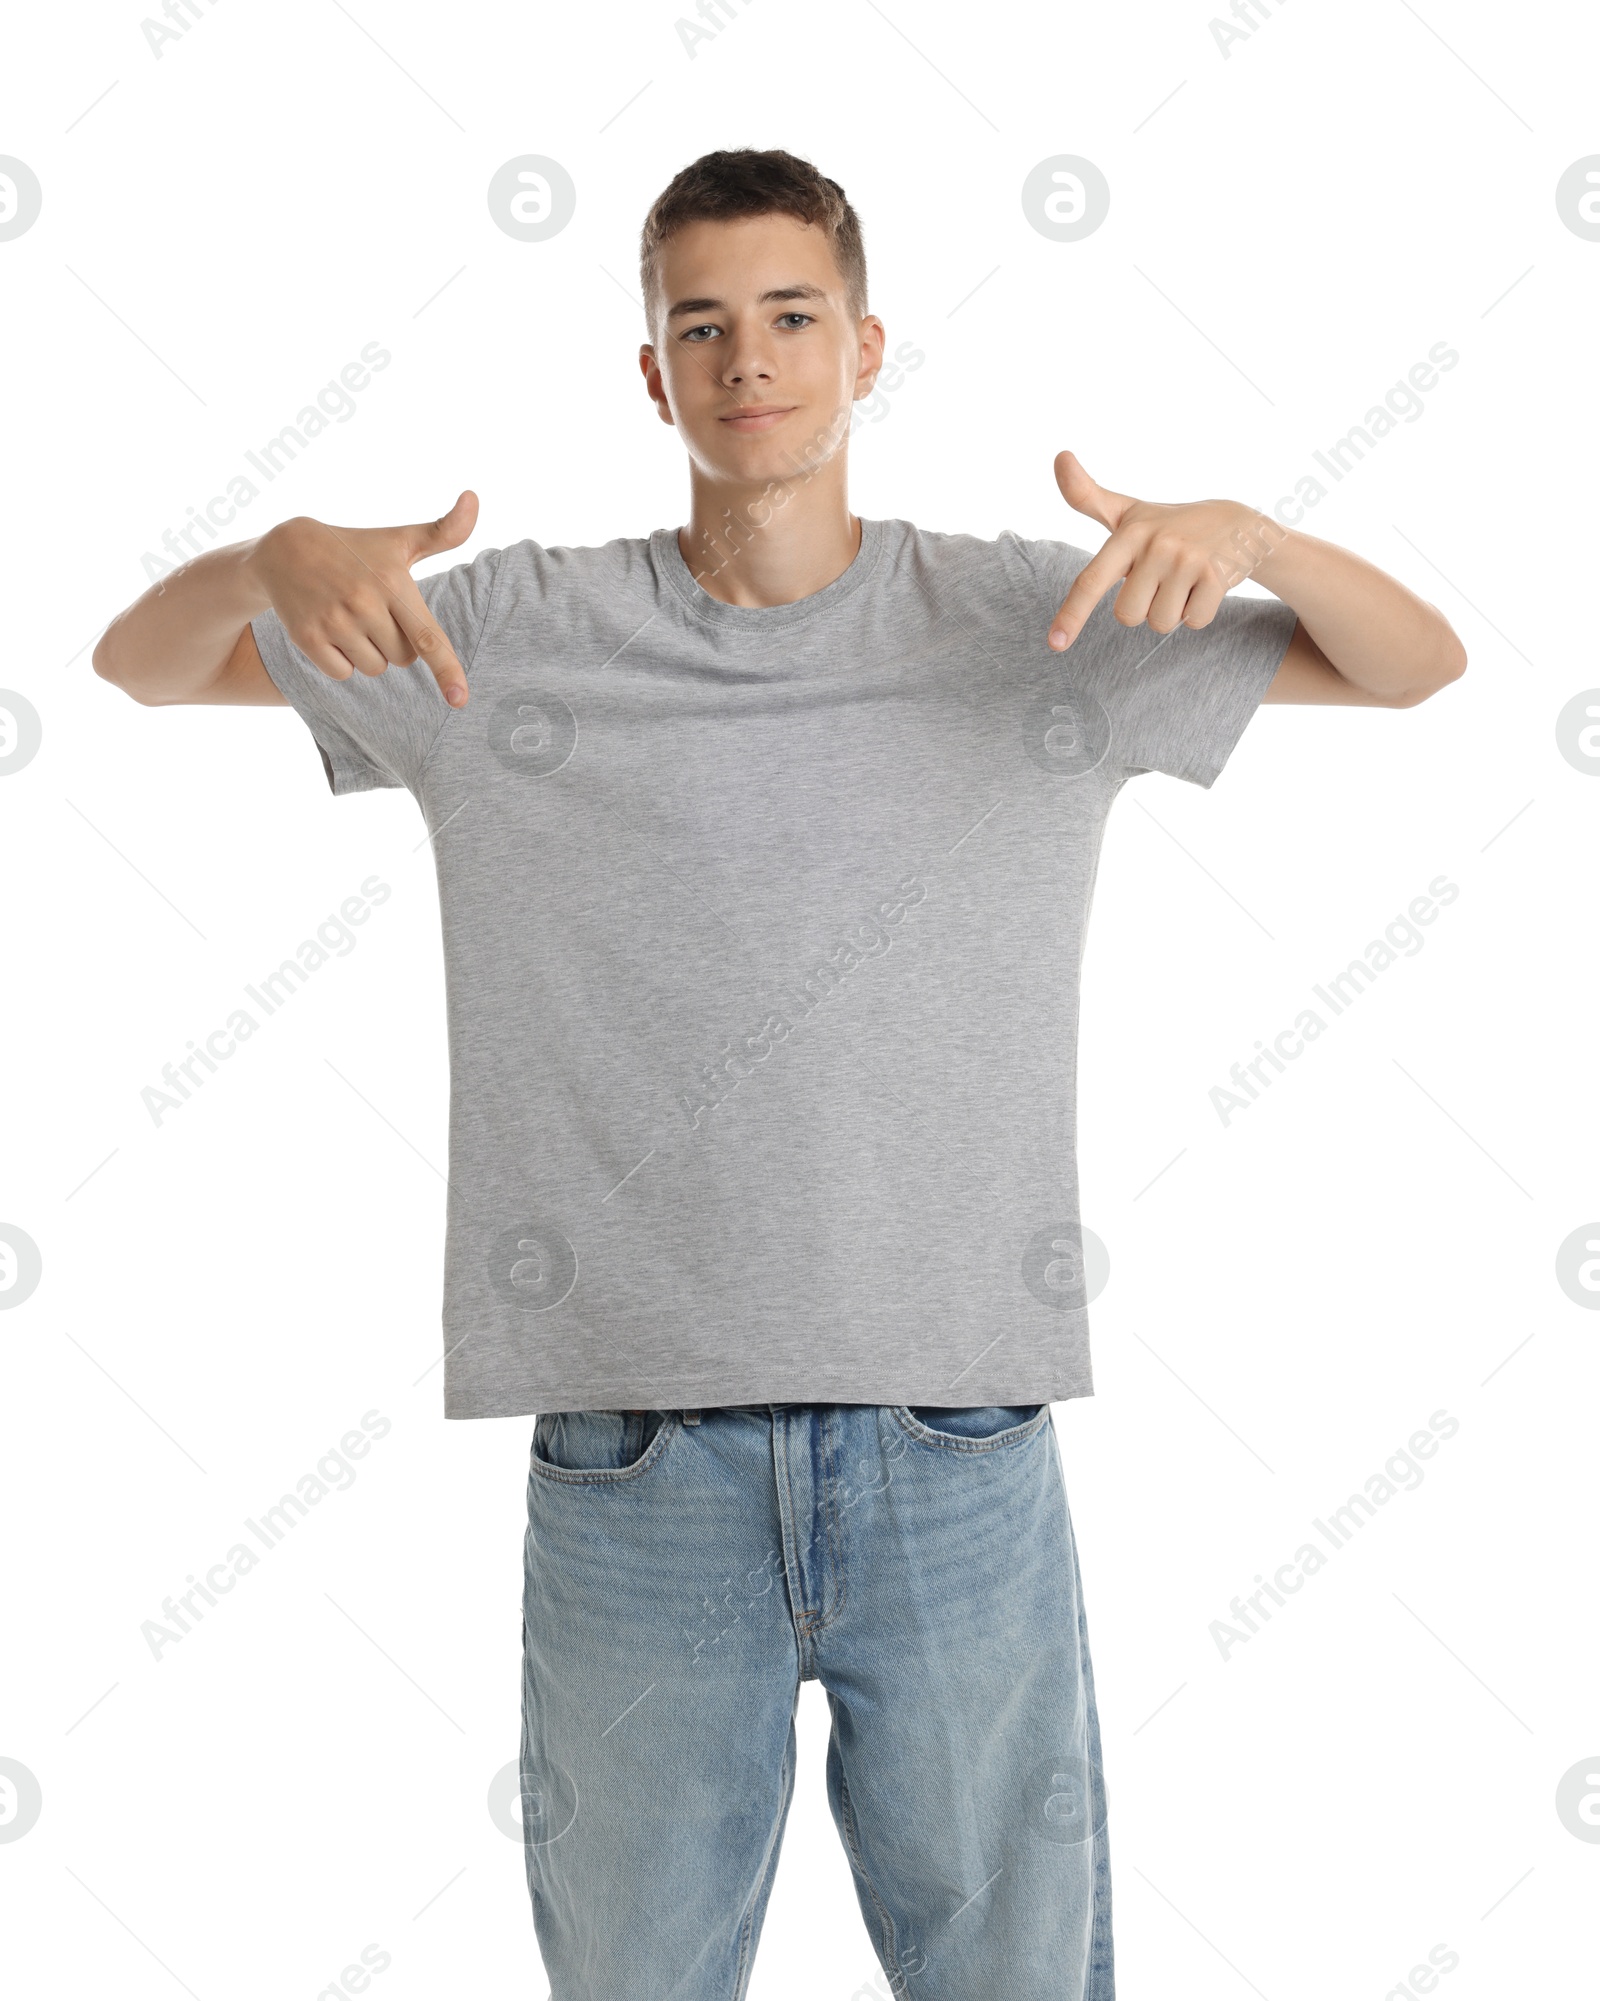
(347, 598)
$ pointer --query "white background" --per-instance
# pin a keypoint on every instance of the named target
(1292, 227)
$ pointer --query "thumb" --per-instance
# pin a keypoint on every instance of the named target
(1085, 496)
(427, 538)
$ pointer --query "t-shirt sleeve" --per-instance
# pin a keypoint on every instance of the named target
(377, 729)
(1177, 704)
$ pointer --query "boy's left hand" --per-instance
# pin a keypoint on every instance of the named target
(1179, 561)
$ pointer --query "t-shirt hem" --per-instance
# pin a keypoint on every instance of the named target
(343, 772)
(704, 1395)
(1242, 697)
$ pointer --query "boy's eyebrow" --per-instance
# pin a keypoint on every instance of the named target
(774, 297)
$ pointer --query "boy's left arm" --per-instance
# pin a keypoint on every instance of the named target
(1361, 637)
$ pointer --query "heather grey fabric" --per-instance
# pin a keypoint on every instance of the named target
(762, 933)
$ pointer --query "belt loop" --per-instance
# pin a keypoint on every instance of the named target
(691, 1417)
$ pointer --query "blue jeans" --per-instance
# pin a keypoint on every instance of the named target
(685, 1572)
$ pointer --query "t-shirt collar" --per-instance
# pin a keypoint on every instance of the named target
(675, 572)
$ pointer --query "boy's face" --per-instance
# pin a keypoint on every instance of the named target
(752, 315)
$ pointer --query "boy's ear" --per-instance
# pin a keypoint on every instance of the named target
(647, 357)
(873, 340)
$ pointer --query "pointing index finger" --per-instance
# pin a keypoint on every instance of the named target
(433, 648)
(1089, 587)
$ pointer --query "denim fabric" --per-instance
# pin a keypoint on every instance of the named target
(686, 1571)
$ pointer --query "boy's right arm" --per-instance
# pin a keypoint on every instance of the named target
(346, 597)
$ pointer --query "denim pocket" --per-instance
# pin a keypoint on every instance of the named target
(972, 1428)
(600, 1447)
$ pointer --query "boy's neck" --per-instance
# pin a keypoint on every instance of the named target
(770, 544)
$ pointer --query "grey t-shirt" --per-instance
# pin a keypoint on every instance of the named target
(762, 933)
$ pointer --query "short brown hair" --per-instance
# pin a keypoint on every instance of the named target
(720, 187)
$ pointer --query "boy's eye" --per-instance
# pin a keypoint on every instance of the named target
(692, 335)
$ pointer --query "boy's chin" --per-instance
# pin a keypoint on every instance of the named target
(771, 455)
(753, 467)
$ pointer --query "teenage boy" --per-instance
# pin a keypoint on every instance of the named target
(765, 848)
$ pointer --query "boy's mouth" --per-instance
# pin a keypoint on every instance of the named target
(758, 417)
